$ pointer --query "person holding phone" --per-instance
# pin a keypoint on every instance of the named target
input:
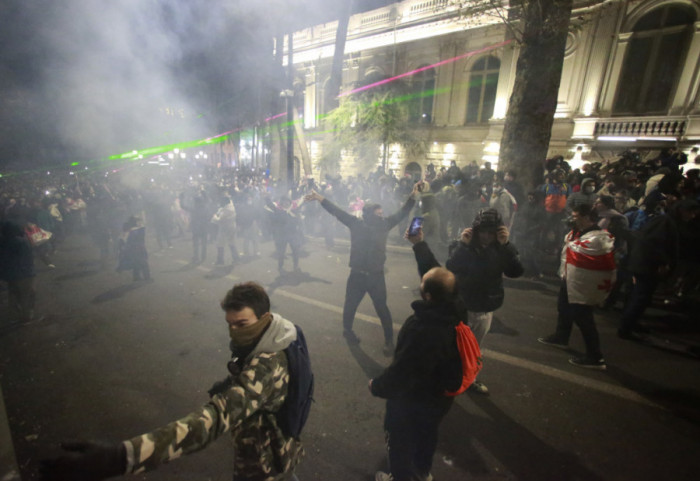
(368, 236)
(479, 260)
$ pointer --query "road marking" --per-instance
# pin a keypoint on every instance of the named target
(584, 381)
(329, 307)
(604, 387)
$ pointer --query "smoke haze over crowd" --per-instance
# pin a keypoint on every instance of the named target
(83, 79)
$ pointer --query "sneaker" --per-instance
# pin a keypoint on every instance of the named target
(350, 337)
(479, 388)
(588, 363)
(388, 349)
(552, 341)
(382, 476)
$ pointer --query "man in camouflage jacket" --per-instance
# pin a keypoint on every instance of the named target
(244, 404)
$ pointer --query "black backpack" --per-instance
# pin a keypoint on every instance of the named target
(295, 411)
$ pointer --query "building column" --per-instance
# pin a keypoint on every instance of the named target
(594, 71)
(506, 80)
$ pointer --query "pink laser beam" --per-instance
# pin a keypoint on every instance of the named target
(438, 64)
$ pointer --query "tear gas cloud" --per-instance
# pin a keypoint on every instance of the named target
(99, 78)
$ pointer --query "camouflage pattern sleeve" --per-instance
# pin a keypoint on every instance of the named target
(262, 385)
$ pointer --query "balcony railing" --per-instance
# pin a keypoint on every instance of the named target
(641, 127)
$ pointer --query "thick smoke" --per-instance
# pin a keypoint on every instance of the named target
(87, 79)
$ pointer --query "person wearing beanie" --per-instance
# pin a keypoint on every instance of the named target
(368, 237)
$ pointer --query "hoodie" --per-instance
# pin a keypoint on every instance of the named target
(262, 452)
(581, 197)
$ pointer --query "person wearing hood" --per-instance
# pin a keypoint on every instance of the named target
(256, 390)
(479, 260)
(426, 365)
(586, 195)
(503, 202)
(368, 237)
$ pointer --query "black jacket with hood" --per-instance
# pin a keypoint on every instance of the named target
(479, 270)
(368, 235)
(426, 362)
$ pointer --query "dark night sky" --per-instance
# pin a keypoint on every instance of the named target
(81, 79)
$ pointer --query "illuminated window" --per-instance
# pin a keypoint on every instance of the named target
(420, 108)
(653, 61)
(481, 98)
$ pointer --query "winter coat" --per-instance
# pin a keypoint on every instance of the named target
(479, 271)
(368, 236)
(426, 362)
(655, 245)
(581, 197)
(505, 204)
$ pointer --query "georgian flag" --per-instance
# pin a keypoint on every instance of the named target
(589, 267)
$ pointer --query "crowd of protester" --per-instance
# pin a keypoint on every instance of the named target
(200, 203)
(626, 227)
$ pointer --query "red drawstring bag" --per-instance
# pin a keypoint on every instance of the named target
(470, 354)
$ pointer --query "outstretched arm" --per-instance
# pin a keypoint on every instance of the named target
(332, 209)
(424, 256)
(395, 218)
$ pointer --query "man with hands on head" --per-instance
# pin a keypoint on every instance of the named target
(368, 237)
(479, 260)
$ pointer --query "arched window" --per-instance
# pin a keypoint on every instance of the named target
(325, 104)
(420, 108)
(414, 170)
(653, 60)
(483, 80)
(373, 75)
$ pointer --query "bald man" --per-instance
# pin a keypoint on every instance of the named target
(425, 365)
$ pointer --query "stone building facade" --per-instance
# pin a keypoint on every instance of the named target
(630, 80)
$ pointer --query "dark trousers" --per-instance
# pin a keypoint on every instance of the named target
(141, 269)
(281, 248)
(643, 288)
(199, 246)
(582, 315)
(359, 283)
(411, 430)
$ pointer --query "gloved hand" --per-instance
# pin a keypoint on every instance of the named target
(85, 461)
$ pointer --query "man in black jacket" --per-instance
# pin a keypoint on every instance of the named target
(479, 261)
(367, 257)
(426, 364)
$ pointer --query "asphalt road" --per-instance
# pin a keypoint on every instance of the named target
(114, 358)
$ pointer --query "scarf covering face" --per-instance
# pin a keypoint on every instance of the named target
(249, 335)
